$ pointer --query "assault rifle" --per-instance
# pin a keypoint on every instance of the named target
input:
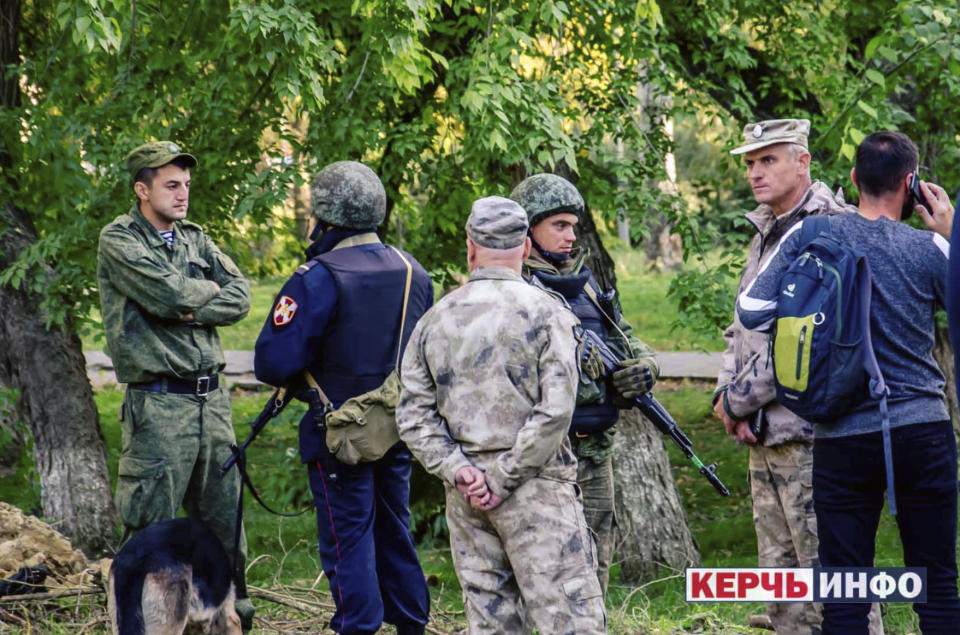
(653, 410)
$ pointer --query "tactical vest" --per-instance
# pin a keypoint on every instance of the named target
(599, 414)
(359, 345)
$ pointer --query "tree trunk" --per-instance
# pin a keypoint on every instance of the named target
(943, 353)
(12, 437)
(663, 248)
(48, 368)
(652, 530)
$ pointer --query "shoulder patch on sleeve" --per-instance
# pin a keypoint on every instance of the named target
(305, 267)
(284, 310)
(228, 265)
(942, 244)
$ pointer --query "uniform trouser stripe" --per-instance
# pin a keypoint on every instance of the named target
(333, 530)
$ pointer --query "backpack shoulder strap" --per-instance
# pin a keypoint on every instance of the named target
(812, 227)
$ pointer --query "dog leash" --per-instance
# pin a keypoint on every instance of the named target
(245, 481)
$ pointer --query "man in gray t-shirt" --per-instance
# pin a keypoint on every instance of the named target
(909, 269)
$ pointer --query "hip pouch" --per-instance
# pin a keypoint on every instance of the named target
(364, 427)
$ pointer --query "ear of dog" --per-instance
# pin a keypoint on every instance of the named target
(171, 575)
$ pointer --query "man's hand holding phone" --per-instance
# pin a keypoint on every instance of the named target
(933, 205)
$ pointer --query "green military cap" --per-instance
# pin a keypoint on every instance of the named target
(156, 154)
(767, 133)
(496, 222)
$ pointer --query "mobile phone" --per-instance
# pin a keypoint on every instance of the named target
(917, 194)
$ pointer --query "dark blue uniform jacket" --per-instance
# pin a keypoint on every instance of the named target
(338, 316)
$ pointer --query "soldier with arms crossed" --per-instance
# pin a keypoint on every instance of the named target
(164, 288)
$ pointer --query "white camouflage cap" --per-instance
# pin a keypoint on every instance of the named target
(767, 133)
(496, 222)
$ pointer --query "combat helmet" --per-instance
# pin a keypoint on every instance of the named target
(543, 195)
(348, 194)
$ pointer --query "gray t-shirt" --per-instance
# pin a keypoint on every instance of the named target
(909, 272)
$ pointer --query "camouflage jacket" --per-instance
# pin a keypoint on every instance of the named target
(746, 373)
(488, 379)
(146, 286)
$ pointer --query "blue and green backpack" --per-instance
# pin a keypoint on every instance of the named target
(823, 358)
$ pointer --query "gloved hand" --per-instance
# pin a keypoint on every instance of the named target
(635, 378)
(589, 359)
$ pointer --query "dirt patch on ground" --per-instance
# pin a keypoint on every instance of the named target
(26, 541)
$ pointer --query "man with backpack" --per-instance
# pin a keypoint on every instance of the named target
(781, 459)
(896, 436)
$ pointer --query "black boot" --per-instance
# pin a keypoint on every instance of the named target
(243, 604)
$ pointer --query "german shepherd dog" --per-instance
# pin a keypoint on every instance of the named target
(172, 577)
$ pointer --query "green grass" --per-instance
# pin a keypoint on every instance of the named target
(723, 529)
(643, 297)
(283, 550)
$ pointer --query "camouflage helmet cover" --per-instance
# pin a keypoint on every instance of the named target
(543, 195)
(348, 194)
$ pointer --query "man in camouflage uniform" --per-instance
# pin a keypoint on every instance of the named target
(554, 207)
(489, 379)
(164, 288)
(781, 453)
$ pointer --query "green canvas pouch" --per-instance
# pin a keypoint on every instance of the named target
(364, 427)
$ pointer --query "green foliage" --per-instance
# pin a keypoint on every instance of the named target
(851, 67)
(21, 487)
(449, 100)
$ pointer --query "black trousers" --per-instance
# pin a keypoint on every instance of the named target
(849, 481)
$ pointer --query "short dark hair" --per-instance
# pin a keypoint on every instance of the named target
(146, 175)
(883, 160)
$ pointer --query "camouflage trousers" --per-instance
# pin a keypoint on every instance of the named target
(534, 549)
(173, 446)
(781, 482)
(596, 486)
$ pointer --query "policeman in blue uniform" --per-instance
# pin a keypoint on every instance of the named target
(338, 317)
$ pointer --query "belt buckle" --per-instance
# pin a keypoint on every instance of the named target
(203, 386)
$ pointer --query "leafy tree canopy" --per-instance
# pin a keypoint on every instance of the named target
(449, 100)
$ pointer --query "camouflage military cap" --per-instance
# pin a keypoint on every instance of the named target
(496, 222)
(767, 133)
(544, 195)
(156, 154)
(348, 194)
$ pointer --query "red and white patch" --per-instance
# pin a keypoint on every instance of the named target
(283, 312)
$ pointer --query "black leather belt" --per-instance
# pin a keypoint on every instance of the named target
(201, 386)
